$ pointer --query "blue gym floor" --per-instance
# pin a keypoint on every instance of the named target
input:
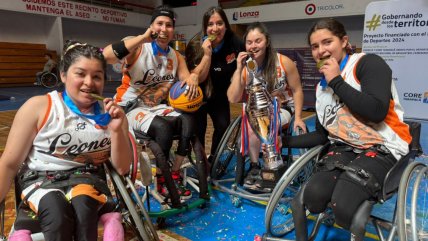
(222, 220)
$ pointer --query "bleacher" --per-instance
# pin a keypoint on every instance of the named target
(19, 63)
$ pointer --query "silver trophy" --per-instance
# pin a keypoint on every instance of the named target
(260, 112)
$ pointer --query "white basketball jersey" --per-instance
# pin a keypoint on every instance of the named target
(67, 140)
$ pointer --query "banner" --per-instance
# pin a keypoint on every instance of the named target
(397, 31)
(296, 10)
(76, 10)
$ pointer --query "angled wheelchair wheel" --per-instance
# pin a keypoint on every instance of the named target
(227, 149)
(413, 203)
(133, 213)
(49, 80)
(278, 217)
(2, 215)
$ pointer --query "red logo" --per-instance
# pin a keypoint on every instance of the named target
(230, 58)
(310, 9)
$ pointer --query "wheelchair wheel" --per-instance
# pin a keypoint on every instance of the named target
(227, 149)
(278, 217)
(413, 203)
(2, 211)
(134, 214)
(49, 80)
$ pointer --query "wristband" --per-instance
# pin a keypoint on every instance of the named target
(120, 50)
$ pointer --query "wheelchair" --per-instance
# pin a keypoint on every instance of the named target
(278, 216)
(194, 169)
(412, 203)
(134, 216)
(229, 167)
(50, 79)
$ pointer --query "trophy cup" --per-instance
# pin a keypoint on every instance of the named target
(261, 116)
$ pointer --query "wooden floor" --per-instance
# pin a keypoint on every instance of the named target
(6, 119)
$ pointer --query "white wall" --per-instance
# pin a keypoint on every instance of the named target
(24, 27)
(95, 33)
(293, 34)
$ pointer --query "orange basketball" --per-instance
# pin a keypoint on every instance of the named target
(179, 101)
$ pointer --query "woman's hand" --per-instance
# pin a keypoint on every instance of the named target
(117, 115)
(240, 61)
(207, 47)
(299, 124)
(150, 35)
(330, 69)
(191, 86)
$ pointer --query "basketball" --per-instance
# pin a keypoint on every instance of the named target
(179, 101)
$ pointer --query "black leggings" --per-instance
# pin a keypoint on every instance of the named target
(219, 112)
(61, 220)
(164, 128)
(344, 193)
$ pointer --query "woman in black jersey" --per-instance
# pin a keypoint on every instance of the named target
(215, 66)
(358, 112)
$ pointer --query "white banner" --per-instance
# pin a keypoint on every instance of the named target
(397, 31)
(296, 10)
(77, 10)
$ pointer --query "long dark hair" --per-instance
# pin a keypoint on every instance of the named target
(270, 59)
(210, 11)
(73, 50)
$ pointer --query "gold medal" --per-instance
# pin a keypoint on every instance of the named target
(98, 97)
(322, 61)
(212, 37)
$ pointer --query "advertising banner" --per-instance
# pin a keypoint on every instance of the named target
(296, 10)
(397, 31)
(76, 10)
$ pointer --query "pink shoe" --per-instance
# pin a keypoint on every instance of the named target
(21, 235)
(113, 229)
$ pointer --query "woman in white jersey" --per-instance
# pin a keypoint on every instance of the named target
(358, 112)
(67, 136)
(152, 67)
(283, 82)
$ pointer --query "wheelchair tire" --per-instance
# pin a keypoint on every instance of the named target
(134, 164)
(136, 214)
(227, 148)
(49, 80)
(278, 217)
(411, 217)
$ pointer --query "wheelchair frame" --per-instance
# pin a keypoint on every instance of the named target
(280, 198)
(165, 209)
(228, 149)
(134, 215)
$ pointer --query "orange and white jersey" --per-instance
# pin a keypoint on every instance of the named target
(343, 126)
(281, 89)
(66, 140)
(150, 75)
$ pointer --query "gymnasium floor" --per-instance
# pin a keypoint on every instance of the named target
(221, 220)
